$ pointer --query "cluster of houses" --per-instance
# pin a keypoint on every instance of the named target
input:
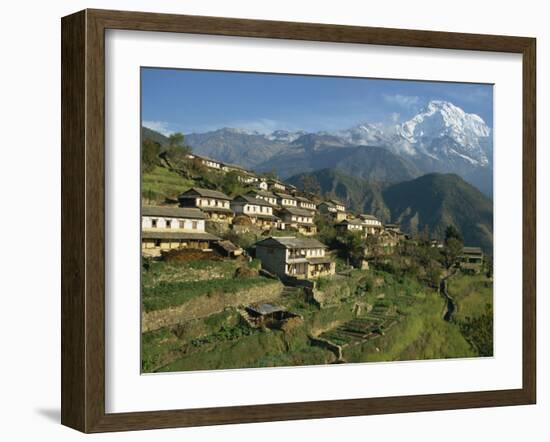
(268, 205)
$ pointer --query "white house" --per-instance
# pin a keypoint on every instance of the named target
(336, 211)
(212, 164)
(299, 219)
(215, 204)
(275, 185)
(304, 203)
(262, 185)
(258, 210)
(285, 200)
(264, 195)
(351, 225)
(165, 228)
(371, 224)
(298, 257)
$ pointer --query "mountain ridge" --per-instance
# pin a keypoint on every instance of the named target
(441, 138)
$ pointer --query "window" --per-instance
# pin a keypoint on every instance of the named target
(157, 242)
(168, 223)
(154, 223)
(182, 224)
(194, 225)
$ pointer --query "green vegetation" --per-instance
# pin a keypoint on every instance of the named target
(160, 183)
(440, 200)
(169, 294)
(474, 316)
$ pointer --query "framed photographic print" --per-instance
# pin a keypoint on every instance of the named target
(270, 220)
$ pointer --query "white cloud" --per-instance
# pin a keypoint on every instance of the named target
(404, 101)
(395, 117)
(159, 126)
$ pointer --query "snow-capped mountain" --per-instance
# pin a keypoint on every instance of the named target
(441, 131)
(441, 138)
(284, 136)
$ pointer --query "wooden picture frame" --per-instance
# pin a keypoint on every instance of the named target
(83, 217)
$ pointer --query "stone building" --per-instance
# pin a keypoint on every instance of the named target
(303, 258)
(166, 228)
(258, 210)
(371, 224)
(285, 200)
(336, 211)
(214, 203)
(299, 219)
(351, 225)
(471, 259)
(304, 203)
(265, 195)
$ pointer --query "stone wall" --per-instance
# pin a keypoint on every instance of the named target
(207, 305)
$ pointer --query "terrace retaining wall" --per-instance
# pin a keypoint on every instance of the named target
(204, 306)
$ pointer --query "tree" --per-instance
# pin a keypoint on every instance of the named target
(354, 247)
(231, 184)
(452, 232)
(451, 252)
(150, 151)
(176, 140)
(310, 184)
(425, 234)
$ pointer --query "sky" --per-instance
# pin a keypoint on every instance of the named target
(187, 101)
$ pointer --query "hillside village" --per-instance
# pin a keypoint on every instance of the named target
(267, 207)
(268, 256)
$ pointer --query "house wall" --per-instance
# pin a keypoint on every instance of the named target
(212, 202)
(189, 225)
(273, 259)
(211, 164)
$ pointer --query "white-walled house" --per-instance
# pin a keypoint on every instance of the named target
(258, 210)
(165, 228)
(212, 164)
(275, 185)
(216, 205)
(261, 184)
(286, 200)
(351, 225)
(303, 258)
(304, 203)
(264, 195)
(371, 224)
(336, 211)
(299, 219)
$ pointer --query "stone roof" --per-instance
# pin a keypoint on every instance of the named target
(304, 200)
(265, 193)
(207, 193)
(369, 217)
(354, 222)
(172, 212)
(252, 200)
(228, 246)
(297, 211)
(472, 250)
(265, 309)
(284, 195)
(291, 242)
(198, 236)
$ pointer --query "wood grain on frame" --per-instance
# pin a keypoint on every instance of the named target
(83, 217)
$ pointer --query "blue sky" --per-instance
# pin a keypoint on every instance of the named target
(175, 100)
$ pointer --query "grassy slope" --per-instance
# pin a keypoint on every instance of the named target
(161, 183)
(170, 284)
(222, 341)
(472, 293)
